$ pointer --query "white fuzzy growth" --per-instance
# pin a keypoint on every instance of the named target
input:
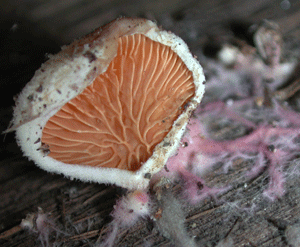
(178, 129)
(126, 213)
(171, 223)
(40, 224)
(59, 83)
(29, 133)
(130, 208)
(63, 80)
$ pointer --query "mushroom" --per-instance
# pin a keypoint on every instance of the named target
(112, 106)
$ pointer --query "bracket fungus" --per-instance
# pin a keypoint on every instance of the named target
(112, 106)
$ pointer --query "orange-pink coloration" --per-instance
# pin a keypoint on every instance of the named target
(141, 197)
(119, 119)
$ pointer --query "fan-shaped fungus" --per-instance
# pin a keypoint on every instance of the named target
(112, 106)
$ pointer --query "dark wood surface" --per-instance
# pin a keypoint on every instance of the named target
(241, 216)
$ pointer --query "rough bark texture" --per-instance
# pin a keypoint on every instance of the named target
(81, 211)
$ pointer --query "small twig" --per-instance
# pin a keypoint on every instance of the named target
(201, 214)
(10, 232)
(85, 235)
(235, 224)
(288, 91)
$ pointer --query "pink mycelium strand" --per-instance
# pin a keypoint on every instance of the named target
(43, 225)
(127, 211)
(270, 136)
(196, 190)
(271, 147)
(270, 128)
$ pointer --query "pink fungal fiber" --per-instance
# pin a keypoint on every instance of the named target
(240, 117)
(128, 210)
(271, 146)
(41, 224)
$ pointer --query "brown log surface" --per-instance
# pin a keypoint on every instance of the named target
(31, 29)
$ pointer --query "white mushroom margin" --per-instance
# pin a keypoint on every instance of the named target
(60, 88)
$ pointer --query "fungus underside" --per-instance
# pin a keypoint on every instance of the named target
(119, 119)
